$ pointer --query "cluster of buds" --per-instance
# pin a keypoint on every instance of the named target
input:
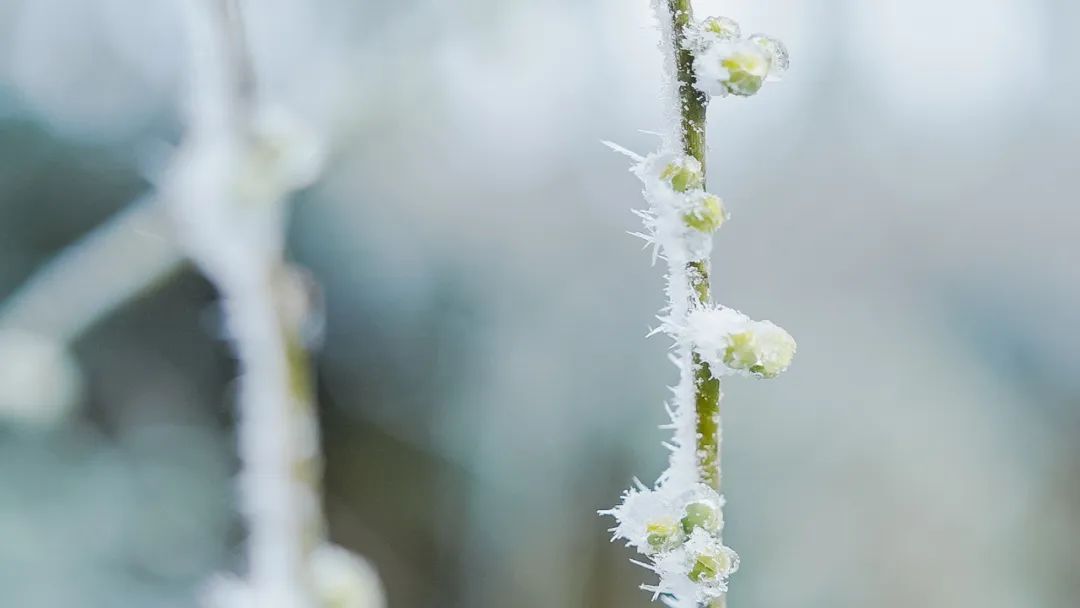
(730, 342)
(728, 64)
(680, 533)
(677, 183)
(698, 209)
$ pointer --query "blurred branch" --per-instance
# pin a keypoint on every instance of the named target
(127, 255)
(229, 187)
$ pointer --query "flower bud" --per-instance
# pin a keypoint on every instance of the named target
(708, 567)
(700, 515)
(707, 214)
(747, 67)
(764, 349)
(729, 341)
(683, 173)
(344, 580)
(776, 52)
(662, 535)
(741, 352)
(722, 27)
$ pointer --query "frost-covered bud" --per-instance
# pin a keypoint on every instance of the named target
(344, 580)
(740, 352)
(747, 68)
(683, 173)
(706, 567)
(729, 341)
(706, 214)
(710, 567)
(698, 570)
(663, 535)
(765, 350)
(660, 520)
(738, 67)
(700, 507)
(777, 54)
(283, 154)
(721, 27)
(709, 31)
(700, 515)
(338, 579)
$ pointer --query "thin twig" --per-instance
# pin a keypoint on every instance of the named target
(106, 268)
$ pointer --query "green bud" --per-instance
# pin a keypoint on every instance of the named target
(765, 350)
(747, 69)
(721, 26)
(709, 567)
(700, 515)
(683, 175)
(662, 535)
(740, 353)
(776, 349)
(708, 214)
(776, 52)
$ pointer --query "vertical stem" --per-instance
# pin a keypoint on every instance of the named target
(692, 101)
(280, 479)
(237, 238)
(279, 443)
(692, 106)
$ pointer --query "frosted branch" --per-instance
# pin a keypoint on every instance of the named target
(678, 524)
(229, 187)
(82, 284)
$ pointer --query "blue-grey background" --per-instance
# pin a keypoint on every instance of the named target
(904, 203)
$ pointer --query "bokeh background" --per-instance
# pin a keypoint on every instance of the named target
(904, 203)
